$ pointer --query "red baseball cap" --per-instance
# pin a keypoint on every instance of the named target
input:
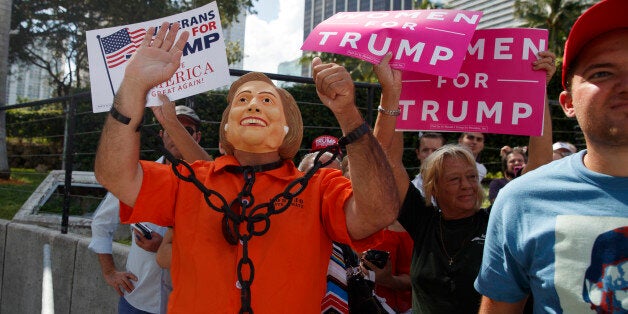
(323, 141)
(604, 16)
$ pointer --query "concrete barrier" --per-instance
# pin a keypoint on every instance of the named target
(77, 280)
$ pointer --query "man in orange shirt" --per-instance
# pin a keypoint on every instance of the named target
(226, 253)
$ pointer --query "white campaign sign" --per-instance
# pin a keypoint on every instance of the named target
(203, 67)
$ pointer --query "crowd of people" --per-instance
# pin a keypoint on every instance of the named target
(348, 231)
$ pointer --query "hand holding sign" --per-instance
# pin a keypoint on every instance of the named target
(389, 78)
(546, 62)
(156, 60)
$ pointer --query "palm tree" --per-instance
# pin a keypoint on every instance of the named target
(557, 16)
(427, 4)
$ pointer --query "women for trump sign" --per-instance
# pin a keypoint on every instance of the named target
(428, 41)
(496, 91)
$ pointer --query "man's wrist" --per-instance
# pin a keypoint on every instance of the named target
(126, 95)
(354, 135)
(116, 115)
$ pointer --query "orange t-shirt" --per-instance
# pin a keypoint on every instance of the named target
(290, 260)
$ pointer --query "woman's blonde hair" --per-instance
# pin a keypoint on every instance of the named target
(292, 141)
(432, 169)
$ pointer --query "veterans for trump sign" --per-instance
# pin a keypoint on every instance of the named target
(428, 41)
(496, 91)
(203, 66)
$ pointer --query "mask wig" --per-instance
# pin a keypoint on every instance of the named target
(292, 140)
(432, 170)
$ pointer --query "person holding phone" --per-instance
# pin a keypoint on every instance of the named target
(513, 162)
(388, 264)
(139, 284)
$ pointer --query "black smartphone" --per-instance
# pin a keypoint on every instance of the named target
(377, 257)
(144, 230)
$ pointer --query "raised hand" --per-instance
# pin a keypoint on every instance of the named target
(546, 62)
(166, 113)
(334, 86)
(157, 59)
(389, 78)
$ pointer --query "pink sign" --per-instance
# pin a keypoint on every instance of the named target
(496, 91)
(427, 41)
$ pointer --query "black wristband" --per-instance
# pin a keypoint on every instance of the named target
(354, 135)
(122, 118)
(118, 116)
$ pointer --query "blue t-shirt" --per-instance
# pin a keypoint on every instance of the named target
(559, 233)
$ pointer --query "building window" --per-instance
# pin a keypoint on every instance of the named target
(381, 5)
(352, 5)
(329, 8)
(307, 19)
(340, 6)
(318, 12)
(365, 5)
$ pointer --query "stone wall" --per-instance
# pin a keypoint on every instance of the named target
(77, 280)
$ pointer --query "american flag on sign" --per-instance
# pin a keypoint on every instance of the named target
(119, 46)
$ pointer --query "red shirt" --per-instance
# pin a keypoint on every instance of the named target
(290, 260)
(400, 246)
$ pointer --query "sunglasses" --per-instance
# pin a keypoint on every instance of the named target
(190, 130)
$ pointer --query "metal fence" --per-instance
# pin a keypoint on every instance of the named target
(63, 132)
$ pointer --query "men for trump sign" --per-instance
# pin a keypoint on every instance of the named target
(203, 65)
(427, 41)
(496, 91)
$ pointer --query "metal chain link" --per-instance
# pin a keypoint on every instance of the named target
(231, 219)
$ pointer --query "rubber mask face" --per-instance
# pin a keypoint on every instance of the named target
(256, 121)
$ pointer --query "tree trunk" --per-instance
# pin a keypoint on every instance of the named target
(5, 26)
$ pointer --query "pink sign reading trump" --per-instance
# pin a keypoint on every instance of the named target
(427, 41)
(496, 91)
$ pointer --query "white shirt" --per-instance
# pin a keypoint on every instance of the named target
(146, 295)
(418, 182)
(481, 170)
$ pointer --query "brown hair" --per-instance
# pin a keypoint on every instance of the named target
(292, 141)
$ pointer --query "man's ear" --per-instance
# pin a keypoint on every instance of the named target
(197, 136)
(566, 102)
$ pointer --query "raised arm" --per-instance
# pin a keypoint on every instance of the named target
(375, 201)
(186, 144)
(391, 141)
(116, 166)
(540, 147)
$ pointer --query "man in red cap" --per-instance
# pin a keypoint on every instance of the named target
(559, 233)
